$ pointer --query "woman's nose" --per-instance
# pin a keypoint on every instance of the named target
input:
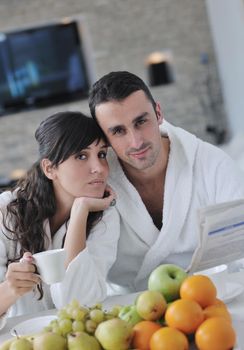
(96, 168)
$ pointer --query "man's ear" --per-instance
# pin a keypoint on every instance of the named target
(47, 168)
(159, 113)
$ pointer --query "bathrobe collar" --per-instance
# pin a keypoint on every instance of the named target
(177, 198)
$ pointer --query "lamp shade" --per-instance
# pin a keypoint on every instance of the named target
(159, 69)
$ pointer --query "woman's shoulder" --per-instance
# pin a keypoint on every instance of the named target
(6, 197)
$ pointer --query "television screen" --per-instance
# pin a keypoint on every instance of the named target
(41, 66)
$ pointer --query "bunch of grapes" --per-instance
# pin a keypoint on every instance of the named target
(76, 318)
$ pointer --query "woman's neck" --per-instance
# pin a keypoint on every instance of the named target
(62, 214)
(57, 220)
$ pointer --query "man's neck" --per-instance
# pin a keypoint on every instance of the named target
(150, 184)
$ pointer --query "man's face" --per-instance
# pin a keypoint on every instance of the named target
(132, 128)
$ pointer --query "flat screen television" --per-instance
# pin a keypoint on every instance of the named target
(42, 66)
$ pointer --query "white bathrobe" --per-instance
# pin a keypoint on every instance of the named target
(198, 174)
(85, 278)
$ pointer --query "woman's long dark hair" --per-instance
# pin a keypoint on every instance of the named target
(59, 136)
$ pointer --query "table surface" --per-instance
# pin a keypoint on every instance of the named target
(236, 308)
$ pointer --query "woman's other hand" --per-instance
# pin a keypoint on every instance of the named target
(21, 277)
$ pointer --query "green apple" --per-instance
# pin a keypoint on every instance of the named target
(167, 279)
(129, 314)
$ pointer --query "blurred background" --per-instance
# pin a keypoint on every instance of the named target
(190, 53)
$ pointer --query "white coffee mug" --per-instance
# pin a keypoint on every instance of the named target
(51, 265)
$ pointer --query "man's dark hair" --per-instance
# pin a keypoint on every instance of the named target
(116, 86)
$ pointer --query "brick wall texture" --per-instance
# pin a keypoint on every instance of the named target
(122, 34)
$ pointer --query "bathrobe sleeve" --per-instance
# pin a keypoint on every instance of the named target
(5, 243)
(85, 278)
(223, 180)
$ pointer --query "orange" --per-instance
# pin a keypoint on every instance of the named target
(185, 315)
(218, 311)
(142, 333)
(219, 302)
(215, 333)
(199, 288)
(168, 338)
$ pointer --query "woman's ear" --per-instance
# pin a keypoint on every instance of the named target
(47, 168)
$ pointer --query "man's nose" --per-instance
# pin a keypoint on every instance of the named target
(135, 139)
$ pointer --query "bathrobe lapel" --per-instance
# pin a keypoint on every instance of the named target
(177, 197)
(129, 204)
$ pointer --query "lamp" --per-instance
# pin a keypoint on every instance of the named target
(159, 69)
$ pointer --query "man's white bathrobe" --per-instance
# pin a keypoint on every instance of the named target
(198, 174)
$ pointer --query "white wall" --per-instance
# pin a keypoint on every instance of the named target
(227, 24)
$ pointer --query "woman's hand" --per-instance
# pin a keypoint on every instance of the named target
(75, 240)
(21, 277)
(89, 204)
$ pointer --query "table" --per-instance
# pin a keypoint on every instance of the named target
(236, 308)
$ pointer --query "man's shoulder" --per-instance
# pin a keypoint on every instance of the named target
(203, 147)
(210, 150)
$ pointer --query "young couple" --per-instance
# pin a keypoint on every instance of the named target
(160, 176)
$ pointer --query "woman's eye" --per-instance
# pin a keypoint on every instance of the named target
(81, 156)
(102, 155)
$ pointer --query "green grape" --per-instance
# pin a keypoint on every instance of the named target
(78, 326)
(75, 304)
(53, 323)
(96, 306)
(96, 315)
(63, 314)
(70, 310)
(57, 330)
(90, 326)
(115, 310)
(47, 329)
(108, 316)
(80, 313)
(65, 326)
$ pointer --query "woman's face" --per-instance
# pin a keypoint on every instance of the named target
(84, 174)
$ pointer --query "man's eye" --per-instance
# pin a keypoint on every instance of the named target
(102, 155)
(141, 121)
(118, 131)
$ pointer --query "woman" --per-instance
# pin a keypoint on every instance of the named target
(59, 203)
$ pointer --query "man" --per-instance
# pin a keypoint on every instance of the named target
(162, 175)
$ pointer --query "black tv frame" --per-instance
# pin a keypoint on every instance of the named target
(29, 102)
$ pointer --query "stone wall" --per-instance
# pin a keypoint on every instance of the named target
(123, 33)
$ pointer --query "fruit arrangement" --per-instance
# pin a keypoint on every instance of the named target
(177, 312)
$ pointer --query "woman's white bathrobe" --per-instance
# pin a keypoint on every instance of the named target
(198, 174)
(85, 278)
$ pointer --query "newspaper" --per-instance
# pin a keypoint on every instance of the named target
(221, 236)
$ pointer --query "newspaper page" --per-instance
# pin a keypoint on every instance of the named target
(221, 236)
